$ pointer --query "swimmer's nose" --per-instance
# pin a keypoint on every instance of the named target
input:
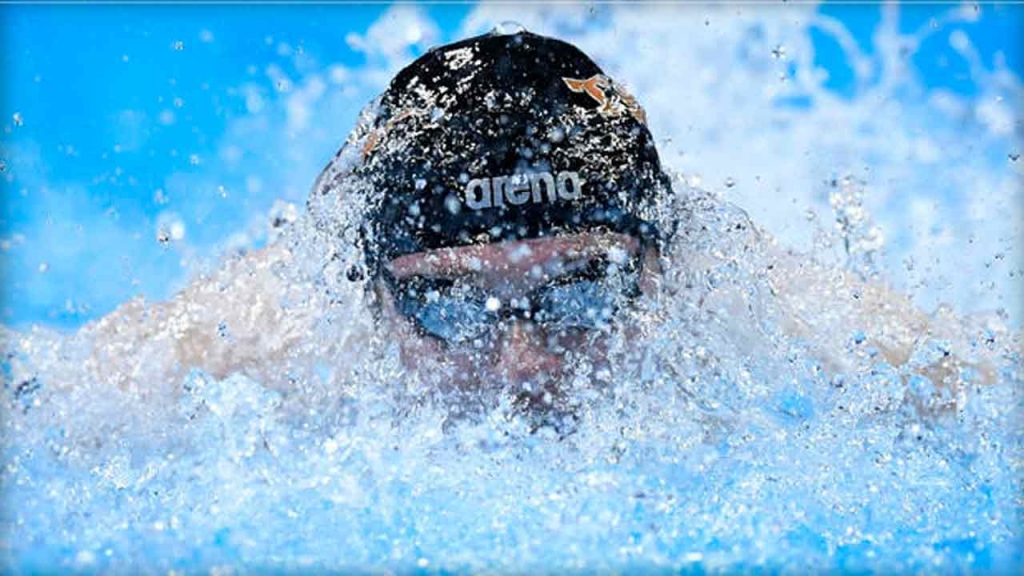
(523, 353)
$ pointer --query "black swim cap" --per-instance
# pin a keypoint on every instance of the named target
(504, 137)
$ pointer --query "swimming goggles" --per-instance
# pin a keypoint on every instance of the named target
(455, 311)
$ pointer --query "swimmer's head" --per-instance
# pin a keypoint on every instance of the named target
(504, 137)
(507, 164)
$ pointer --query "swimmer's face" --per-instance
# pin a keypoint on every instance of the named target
(513, 315)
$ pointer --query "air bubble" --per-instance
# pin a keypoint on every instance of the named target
(18, 120)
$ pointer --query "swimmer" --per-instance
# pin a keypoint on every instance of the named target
(514, 191)
(516, 219)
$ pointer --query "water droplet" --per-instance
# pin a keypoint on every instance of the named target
(452, 204)
(44, 267)
(169, 228)
(959, 41)
(508, 27)
(179, 45)
(18, 120)
(85, 557)
(282, 213)
(354, 274)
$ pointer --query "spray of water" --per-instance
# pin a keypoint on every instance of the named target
(763, 408)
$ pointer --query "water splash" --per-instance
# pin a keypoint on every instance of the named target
(772, 409)
(723, 441)
(508, 28)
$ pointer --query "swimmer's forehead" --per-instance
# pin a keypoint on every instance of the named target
(518, 255)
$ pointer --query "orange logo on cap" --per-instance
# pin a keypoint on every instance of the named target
(613, 99)
(374, 137)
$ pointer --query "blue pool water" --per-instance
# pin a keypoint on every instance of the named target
(247, 418)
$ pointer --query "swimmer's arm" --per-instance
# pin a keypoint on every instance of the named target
(222, 323)
(853, 315)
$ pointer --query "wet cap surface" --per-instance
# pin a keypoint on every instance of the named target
(505, 137)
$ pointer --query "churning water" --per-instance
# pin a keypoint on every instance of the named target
(779, 410)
